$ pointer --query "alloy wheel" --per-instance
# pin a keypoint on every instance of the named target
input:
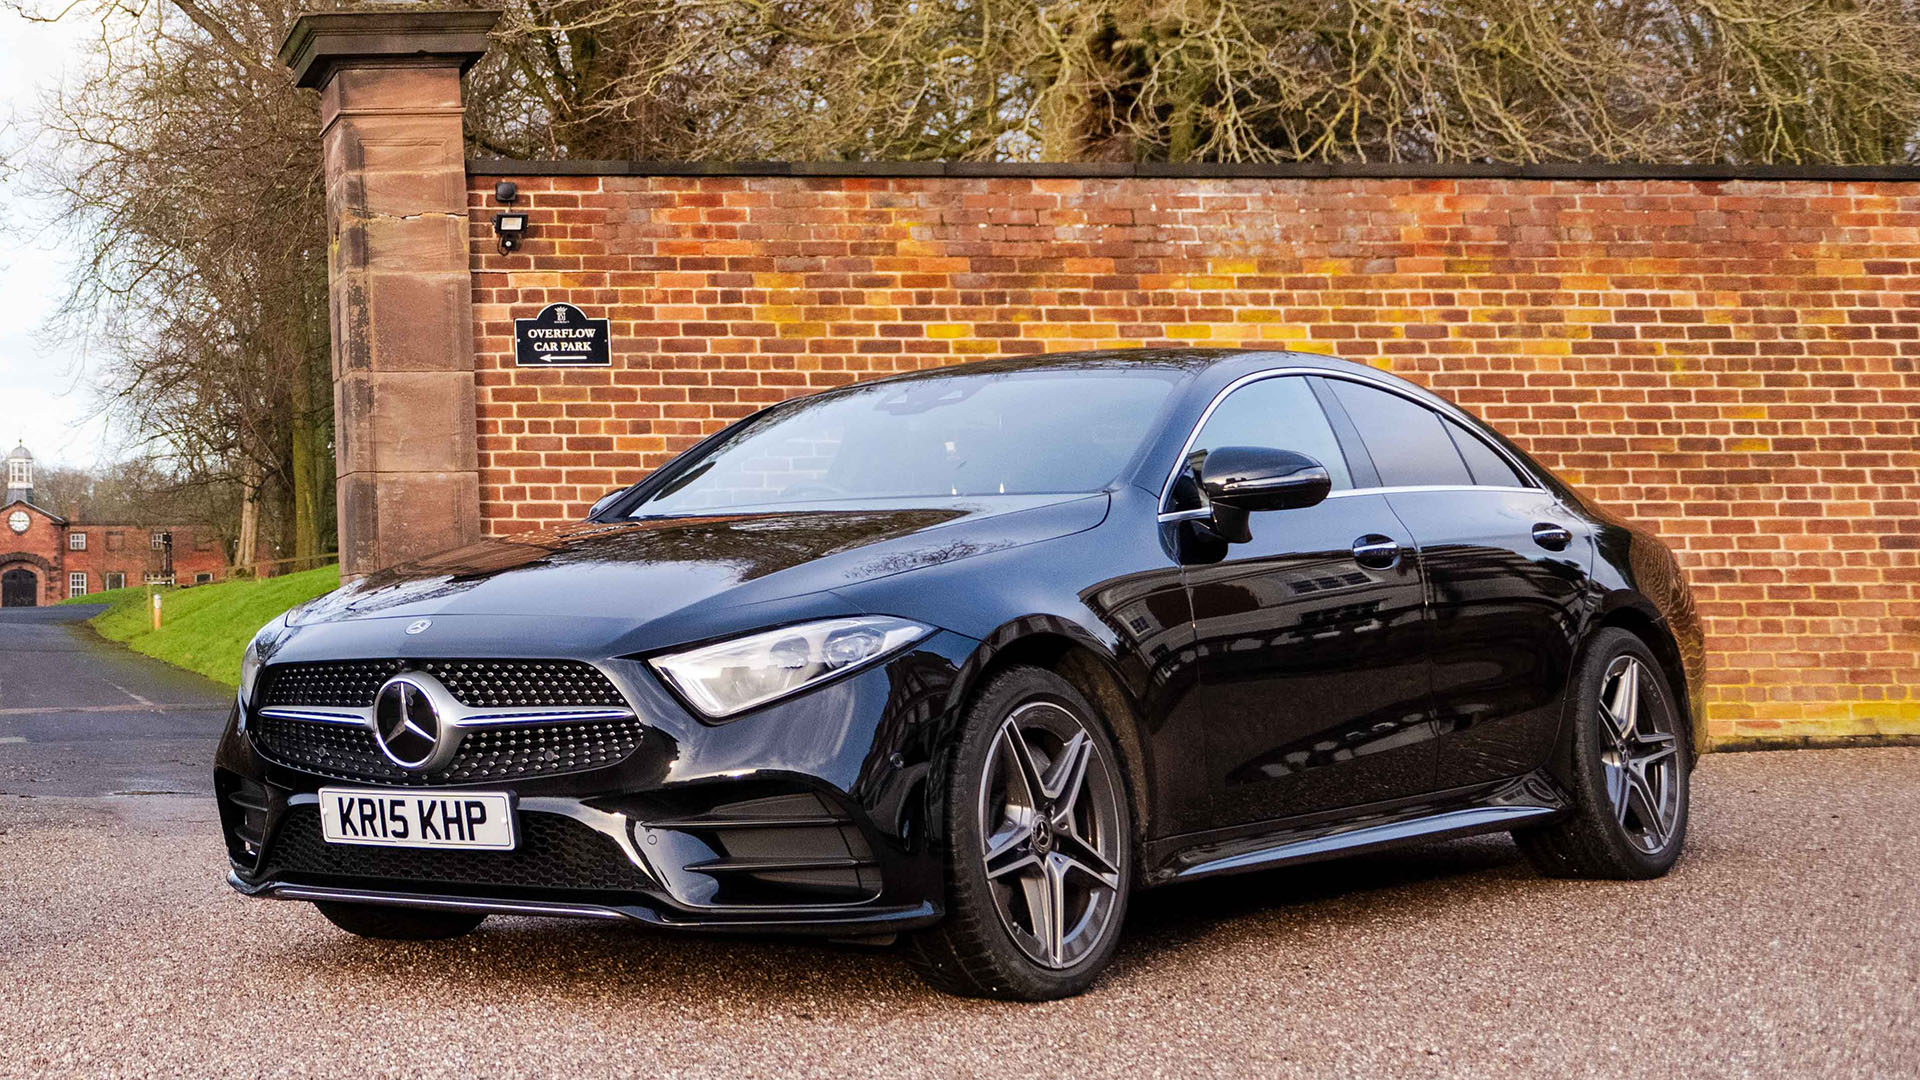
(1050, 830)
(1641, 759)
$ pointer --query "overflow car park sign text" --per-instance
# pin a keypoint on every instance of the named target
(561, 336)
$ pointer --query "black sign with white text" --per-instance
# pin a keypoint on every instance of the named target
(561, 336)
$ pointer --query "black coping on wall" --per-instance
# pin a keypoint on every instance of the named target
(1207, 171)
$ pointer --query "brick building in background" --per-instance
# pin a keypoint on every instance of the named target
(1730, 355)
(45, 558)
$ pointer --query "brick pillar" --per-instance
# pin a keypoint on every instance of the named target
(400, 290)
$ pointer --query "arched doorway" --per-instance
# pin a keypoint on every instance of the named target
(19, 587)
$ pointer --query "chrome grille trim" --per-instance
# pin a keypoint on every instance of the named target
(462, 719)
(354, 717)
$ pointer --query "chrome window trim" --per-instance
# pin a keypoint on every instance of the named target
(1186, 515)
(1403, 488)
(1445, 409)
(1171, 516)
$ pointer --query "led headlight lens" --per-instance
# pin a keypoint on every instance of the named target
(736, 675)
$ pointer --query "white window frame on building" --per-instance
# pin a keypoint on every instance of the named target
(77, 583)
(204, 577)
(158, 541)
(116, 579)
(19, 473)
(76, 541)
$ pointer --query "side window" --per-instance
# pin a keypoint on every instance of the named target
(1281, 413)
(1408, 444)
(1488, 466)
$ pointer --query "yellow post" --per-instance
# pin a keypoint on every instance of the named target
(156, 609)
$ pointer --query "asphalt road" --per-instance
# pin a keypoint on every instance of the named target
(81, 716)
(1783, 945)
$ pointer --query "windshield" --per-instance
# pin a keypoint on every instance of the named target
(1028, 432)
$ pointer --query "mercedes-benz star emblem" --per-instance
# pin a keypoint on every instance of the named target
(405, 723)
(418, 625)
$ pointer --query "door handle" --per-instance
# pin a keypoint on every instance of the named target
(1376, 552)
(1552, 537)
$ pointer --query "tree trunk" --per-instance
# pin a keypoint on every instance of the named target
(249, 543)
(306, 470)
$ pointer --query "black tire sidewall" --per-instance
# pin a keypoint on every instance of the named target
(1007, 692)
(1590, 742)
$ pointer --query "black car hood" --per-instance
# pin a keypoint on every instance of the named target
(702, 575)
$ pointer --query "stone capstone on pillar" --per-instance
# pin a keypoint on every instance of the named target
(400, 291)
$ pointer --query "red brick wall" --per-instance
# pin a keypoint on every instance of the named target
(1731, 361)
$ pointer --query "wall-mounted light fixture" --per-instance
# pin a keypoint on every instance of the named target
(508, 225)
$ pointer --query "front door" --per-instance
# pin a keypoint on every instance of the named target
(1309, 639)
(19, 588)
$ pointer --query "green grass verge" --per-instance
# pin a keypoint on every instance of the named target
(205, 628)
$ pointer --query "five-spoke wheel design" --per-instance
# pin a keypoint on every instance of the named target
(1051, 834)
(1641, 759)
(1625, 770)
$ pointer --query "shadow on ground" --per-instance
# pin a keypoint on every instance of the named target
(568, 958)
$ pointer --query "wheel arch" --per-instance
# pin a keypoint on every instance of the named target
(1637, 615)
(1069, 651)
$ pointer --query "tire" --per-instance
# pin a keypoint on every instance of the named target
(398, 923)
(1620, 827)
(1068, 850)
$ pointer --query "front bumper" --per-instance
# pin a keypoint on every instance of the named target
(864, 922)
(808, 816)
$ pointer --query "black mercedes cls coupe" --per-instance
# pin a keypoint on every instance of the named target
(966, 656)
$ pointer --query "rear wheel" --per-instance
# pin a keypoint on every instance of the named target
(1630, 772)
(398, 923)
(1039, 859)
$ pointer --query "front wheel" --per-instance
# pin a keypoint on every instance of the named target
(1630, 771)
(1039, 846)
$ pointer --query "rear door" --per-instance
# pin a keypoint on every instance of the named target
(1310, 642)
(1505, 567)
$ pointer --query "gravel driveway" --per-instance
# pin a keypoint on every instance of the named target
(1784, 944)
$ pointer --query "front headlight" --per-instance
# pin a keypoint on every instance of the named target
(256, 655)
(736, 675)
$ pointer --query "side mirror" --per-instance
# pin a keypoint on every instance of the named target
(1239, 480)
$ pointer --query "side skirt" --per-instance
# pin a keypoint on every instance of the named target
(1530, 799)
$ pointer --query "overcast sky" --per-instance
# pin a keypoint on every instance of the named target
(44, 398)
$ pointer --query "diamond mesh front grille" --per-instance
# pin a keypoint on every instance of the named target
(524, 684)
(521, 751)
(479, 684)
(344, 684)
(349, 752)
(554, 853)
(543, 749)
